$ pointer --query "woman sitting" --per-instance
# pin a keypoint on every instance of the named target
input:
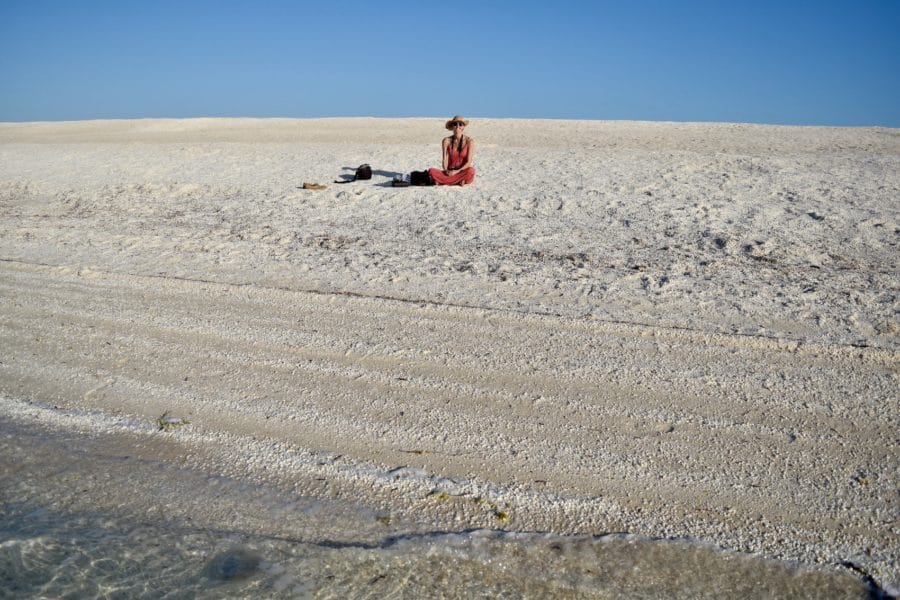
(459, 154)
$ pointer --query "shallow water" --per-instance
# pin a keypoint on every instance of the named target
(50, 555)
(79, 519)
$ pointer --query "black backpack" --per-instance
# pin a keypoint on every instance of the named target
(362, 172)
(420, 178)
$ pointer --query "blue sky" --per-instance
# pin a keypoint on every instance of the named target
(791, 61)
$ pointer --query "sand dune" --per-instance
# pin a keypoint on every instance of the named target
(675, 330)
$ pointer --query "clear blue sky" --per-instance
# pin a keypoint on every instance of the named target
(790, 61)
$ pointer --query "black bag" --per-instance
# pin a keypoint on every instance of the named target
(362, 172)
(420, 178)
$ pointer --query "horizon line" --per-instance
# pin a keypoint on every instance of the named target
(473, 118)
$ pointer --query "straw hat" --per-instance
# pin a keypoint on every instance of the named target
(456, 119)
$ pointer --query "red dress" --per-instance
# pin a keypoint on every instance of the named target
(455, 159)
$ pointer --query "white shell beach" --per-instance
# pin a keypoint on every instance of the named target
(670, 330)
